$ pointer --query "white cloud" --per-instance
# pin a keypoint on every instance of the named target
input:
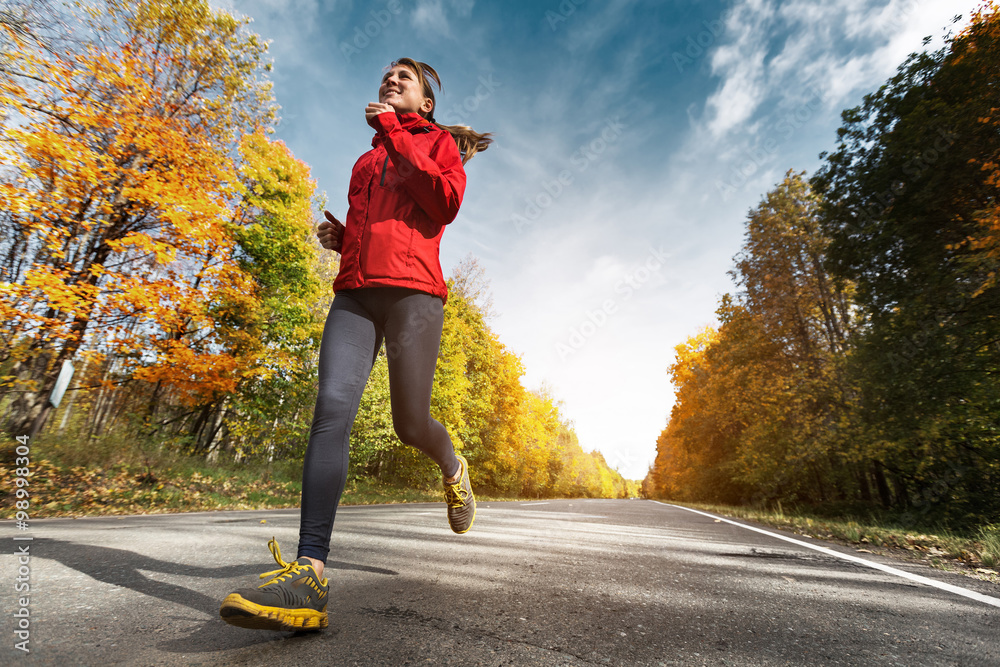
(462, 8)
(287, 22)
(740, 63)
(431, 16)
(786, 71)
(842, 47)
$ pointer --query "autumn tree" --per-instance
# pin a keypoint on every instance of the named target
(480, 394)
(911, 208)
(695, 453)
(792, 327)
(516, 441)
(151, 233)
(859, 361)
(538, 436)
(117, 184)
(376, 451)
(758, 400)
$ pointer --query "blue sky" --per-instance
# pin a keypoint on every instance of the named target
(631, 139)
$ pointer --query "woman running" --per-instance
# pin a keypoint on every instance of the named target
(390, 288)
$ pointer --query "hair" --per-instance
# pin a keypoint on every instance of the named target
(468, 140)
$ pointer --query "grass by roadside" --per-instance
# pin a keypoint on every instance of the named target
(178, 484)
(121, 489)
(975, 555)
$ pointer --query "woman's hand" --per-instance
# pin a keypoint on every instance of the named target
(330, 232)
(375, 108)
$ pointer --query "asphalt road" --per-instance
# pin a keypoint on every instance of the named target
(568, 582)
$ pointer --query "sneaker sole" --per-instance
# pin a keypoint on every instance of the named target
(238, 611)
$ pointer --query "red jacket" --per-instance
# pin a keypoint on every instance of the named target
(403, 192)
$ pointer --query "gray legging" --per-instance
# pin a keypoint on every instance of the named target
(410, 323)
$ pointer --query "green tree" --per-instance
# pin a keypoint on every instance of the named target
(907, 192)
(279, 333)
(373, 439)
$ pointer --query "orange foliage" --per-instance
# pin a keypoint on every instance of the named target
(675, 471)
(121, 192)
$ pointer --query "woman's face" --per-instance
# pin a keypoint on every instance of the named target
(401, 90)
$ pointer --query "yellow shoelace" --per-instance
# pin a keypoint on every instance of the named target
(285, 569)
(455, 495)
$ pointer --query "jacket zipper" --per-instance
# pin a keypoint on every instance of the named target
(361, 270)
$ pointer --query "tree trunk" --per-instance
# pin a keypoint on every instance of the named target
(39, 421)
(23, 411)
(885, 496)
(217, 424)
(819, 482)
(199, 426)
(863, 486)
(902, 493)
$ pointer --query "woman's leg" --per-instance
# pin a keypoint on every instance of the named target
(351, 340)
(413, 322)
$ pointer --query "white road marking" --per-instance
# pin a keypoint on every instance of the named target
(979, 597)
(542, 503)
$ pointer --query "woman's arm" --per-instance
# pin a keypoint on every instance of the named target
(436, 181)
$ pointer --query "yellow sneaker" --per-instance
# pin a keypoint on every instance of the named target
(293, 599)
(461, 502)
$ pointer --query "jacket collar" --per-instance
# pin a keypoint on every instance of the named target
(412, 122)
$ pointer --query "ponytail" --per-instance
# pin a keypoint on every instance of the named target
(468, 140)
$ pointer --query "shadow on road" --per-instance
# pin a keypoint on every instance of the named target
(123, 568)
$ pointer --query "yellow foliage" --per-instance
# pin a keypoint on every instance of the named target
(119, 181)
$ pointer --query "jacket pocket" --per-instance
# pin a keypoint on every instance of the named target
(387, 249)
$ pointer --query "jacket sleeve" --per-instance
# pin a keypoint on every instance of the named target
(436, 181)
